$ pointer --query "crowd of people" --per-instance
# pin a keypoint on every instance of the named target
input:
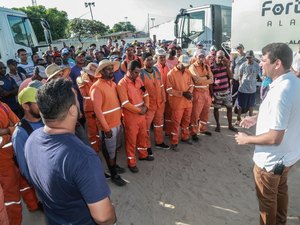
(60, 111)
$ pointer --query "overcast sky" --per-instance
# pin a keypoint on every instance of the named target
(110, 12)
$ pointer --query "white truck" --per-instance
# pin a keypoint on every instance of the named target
(16, 32)
(252, 23)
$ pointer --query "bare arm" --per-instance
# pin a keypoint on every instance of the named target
(272, 137)
(103, 212)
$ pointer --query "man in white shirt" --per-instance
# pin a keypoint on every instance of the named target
(277, 142)
(28, 66)
(296, 63)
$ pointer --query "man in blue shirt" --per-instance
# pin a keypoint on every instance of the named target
(66, 173)
(31, 121)
(8, 89)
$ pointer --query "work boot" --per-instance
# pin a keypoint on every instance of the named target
(150, 153)
(148, 158)
(133, 169)
(206, 133)
(120, 169)
(187, 141)
(162, 146)
(195, 138)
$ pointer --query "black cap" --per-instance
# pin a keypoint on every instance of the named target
(11, 61)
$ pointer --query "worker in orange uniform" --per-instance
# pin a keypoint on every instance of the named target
(3, 213)
(202, 78)
(85, 81)
(157, 98)
(9, 173)
(129, 57)
(107, 107)
(180, 89)
(163, 68)
(135, 103)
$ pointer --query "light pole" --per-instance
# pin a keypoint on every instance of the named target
(125, 23)
(90, 4)
(152, 19)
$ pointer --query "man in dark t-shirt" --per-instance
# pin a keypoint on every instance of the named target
(66, 173)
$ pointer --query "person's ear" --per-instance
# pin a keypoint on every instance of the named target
(73, 111)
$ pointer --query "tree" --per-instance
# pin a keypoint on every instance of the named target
(58, 21)
(86, 28)
(123, 26)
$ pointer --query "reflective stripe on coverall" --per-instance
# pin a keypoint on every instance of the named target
(202, 77)
(3, 213)
(84, 84)
(155, 88)
(177, 83)
(164, 70)
(9, 173)
(132, 97)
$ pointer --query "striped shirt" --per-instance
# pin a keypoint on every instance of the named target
(221, 78)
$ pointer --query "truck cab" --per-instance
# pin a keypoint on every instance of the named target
(210, 24)
(16, 32)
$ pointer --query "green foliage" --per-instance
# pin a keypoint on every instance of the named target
(123, 26)
(87, 28)
(58, 21)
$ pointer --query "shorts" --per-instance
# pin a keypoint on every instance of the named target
(115, 142)
(222, 98)
(245, 100)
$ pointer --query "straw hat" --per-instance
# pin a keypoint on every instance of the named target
(91, 68)
(53, 69)
(105, 62)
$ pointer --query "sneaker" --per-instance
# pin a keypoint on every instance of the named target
(206, 133)
(107, 176)
(195, 138)
(232, 128)
(187, 141)
(174, 148)
(118, 180)
(150, 153)
(218, 129)
(148, 158)
(162, 146)
(120, 169)
(133, 169)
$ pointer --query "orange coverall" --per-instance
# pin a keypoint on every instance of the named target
(85, 82)
(9, 173)
(164, 70)
(132, 97)
(177, 83)
(157, 95)
(104, 98)
(3, 213)
(202, 77)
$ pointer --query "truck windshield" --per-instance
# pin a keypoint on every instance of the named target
(21, 30)
(193, 24)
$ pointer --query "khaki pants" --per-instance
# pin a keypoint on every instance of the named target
(272, 193)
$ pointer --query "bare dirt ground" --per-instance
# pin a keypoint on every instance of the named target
(208, 183)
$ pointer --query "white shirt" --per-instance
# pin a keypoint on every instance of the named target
(296, 62)
(280, 110)
(29, 68)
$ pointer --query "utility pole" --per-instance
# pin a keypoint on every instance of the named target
(90, 4)
(148, 26)
(33, 2)
(125, 23)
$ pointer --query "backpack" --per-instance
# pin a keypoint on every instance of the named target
(26, 126)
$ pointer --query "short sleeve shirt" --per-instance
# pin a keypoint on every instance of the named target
(280, 111)
(67, 174)
(249, 74)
